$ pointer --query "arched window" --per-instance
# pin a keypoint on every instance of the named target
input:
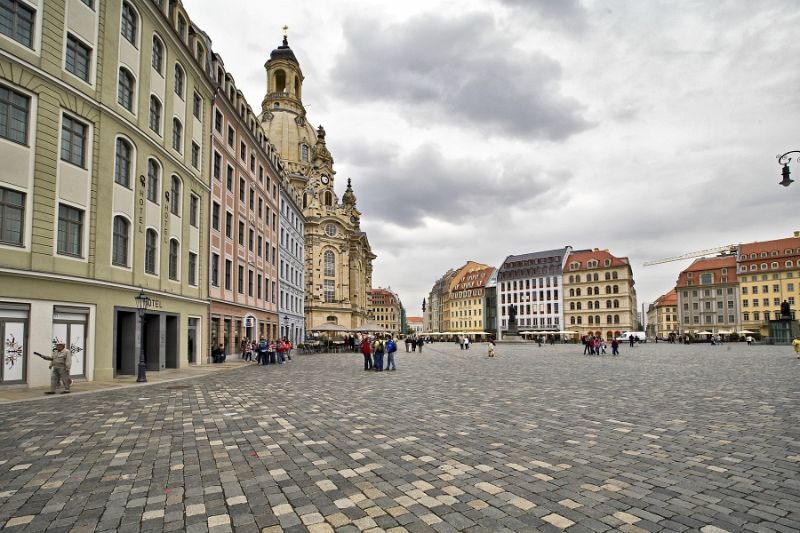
(580, 320)
(572, 320)
(596, 276)
(175, 196)
(119, 248)
(577, 278)
(608, 289)
(174, 253)
(616, 319)
(297, 87)
(125, 89)
(328, 198)
(158, 55)
(572, 292)
(578, 306)
(179, 75)
(572, 306)
(155, 114)
(597, 304)
(596, 319)
(591, 305)
(591, 320)
(608, 319)
(177, 135)
(614, 275)
(153, 178)
(608, 276)
(280, 81)
(122, 165)
(572, 279)
(129, 23)
(150, 251)
(305, 200)
(330, 263)
(616, 304)
(615, 289)
(578, 291)
(608, 304)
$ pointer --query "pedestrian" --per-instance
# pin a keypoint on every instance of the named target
(460, 341)
(796, 344)
(415, 342)
(288, 344)
(420, 342)
(248, 350)
(281, 346)
(615, 347)
(261, 355)
(377, 356)
(60, 364)
(586, 346)
(391, 348)
(366, 351)
(749, 340)
(491, 347)
(602, 347)
(272, 350)
(632, 339)
(466, 342)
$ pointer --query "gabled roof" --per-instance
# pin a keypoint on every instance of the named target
(777, 245)
(670, 299)
(584, 256)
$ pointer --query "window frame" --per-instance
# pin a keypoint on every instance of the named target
(173, 270)
(15, 29)
(119, 178)
(68, 123)
(159, 55)
(120, 247)
(74, 45)
(124, 73)
(151, 252)
(132, 25)
(11, 105)
(69, 228)
(153, 192)
(6, 205)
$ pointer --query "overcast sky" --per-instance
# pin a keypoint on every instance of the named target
(477, 129)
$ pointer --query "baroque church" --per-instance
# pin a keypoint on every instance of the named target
(338, 257)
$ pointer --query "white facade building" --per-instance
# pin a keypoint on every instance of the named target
(291, 301)
(533, 283)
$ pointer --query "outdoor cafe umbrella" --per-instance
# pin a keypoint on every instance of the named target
(330, 327)
(746, 332)
(704, 333)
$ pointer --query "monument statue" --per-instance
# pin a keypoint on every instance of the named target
(786, 310)
(512, 314)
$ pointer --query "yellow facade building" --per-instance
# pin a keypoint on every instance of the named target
(662, 316)
(464, 304)
(769, 274)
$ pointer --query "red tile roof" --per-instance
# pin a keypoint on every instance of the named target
(778, 245)
(600, 256)
(669, 299)
(414, 320)
(713, 265)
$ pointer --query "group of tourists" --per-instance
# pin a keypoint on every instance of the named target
(266, 352)
(374, 350)
(595, 345)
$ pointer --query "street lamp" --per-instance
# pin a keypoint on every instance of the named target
(286, 325)
(142, 304)
(785, 160)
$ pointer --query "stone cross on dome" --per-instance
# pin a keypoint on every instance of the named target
(285, 35)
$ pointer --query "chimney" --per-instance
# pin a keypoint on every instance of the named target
(797, 233)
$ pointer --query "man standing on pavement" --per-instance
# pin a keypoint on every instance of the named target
(796, 344)
(59, 367)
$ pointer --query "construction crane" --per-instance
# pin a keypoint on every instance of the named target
(729, 249)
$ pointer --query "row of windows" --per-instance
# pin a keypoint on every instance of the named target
(595, 290)
(756, 315)
(263, 211)
(243, 151)
(257, 285)
(765, 288)
(764, 301)
(529, 283)
(707, 305)
(763, 266)
(773, 253)
(594, 320)
(707, 292)
(593, 277)
(531, 296)
(255, 242)
(576, 306)
(534, 309)
(709, 319)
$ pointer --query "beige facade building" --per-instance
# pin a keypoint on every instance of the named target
(708, 297)
(434, 311)
(769, 274)
(599, 294)
(385, 309)
(338, 256)
(244, 225)
(104, 184)
(662, 316)
(465, 302)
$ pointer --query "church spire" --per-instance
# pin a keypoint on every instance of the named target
(349, 197)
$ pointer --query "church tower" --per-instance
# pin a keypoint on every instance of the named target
(338, 257)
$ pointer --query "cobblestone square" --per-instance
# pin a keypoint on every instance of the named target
(662, 438)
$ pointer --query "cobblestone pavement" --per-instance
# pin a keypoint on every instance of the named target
(662, 438)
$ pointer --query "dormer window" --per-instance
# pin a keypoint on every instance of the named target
(182, 27)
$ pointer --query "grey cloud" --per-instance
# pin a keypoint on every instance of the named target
(457, 70)
(424, 183)
(568, 12)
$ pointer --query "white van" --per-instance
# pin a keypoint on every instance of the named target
(626, 336)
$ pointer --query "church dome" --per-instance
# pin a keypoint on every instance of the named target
(291, 134)
(283, 52)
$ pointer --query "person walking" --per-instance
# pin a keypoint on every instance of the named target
(60, 364)
(466, 342)
(366, 351)
(491, 347)
(586, 347)
(796, 344)
(261, 355)
(420, 343)
(272, 348)
(615, 347)
(281, 346)
(288, 344)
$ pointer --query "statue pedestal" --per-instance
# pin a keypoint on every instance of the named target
(511, 336)
(783, 330)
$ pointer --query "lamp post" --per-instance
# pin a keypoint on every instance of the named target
(142, 304)
(784, 160)
(286, 326)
